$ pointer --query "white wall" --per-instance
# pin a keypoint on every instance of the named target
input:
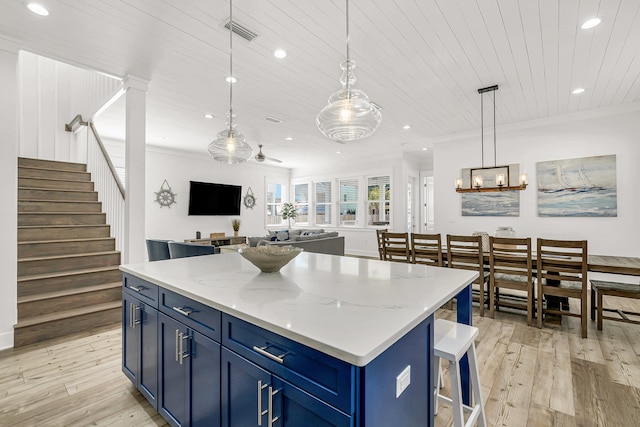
(8, 187)
(577, 136)
(178, 168)
(51, 94)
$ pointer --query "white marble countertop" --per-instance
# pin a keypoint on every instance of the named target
(350, 308)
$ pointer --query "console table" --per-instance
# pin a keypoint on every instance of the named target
(220, 241)
(328, 341)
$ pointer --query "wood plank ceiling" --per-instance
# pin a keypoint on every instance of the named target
(422, 61)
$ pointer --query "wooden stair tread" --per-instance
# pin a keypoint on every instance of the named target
(68, 256)
(88, 239)
(52, 179)
(68, 273)
(61, 213)
(54, 189)
(44, 168)
(58, 201)
(61, 225)
(36, 320)
(79, 290)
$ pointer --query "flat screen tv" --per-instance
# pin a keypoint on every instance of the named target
(206, 198)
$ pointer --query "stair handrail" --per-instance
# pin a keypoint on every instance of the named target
(74, 125)
(112, 168)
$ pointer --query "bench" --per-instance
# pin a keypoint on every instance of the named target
(600, 288)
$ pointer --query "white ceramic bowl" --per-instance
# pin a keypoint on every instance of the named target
(270, 258)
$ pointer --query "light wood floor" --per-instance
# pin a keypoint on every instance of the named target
(530, 377)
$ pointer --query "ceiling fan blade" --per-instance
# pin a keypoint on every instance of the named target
(273, 160)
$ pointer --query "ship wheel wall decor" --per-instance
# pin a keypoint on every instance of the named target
(165, 197)
(249, 199)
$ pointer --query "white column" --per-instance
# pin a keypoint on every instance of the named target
(134, 226)
(9, 135)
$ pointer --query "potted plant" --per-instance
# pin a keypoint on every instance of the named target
(289, 212)
(235, 223)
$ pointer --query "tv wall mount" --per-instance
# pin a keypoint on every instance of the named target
(165, 197)
(249, 199)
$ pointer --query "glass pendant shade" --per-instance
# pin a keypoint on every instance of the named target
(230, 146)
(349, 115)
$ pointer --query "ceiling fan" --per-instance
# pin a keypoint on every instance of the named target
(260, 157)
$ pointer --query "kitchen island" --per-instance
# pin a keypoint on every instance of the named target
(329, 340)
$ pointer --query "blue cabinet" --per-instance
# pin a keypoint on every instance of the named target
(139, 345)
(189, 371)
(201, 367)
(252, 396)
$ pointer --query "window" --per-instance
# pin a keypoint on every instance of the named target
(274, 204)
(348, 202)
(378, 200)
(301, 202)
(323, 202)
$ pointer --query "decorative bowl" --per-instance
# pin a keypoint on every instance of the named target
(270, 258)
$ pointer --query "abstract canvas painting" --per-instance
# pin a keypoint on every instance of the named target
(578, 187)
(503, 203)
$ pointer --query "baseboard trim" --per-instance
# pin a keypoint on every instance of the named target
(6, 340)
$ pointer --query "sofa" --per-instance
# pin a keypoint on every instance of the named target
(311, 240)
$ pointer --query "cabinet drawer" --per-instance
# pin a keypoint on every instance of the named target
(319, 374)
(193, 314)
(141, 289)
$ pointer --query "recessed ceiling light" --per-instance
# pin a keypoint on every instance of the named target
(590, 23)
(578, 90)
(38, 9)
(280, 53)
(405, 127)
(208, 116)
(338, 152)
(424, 148)
(231, 79)
(289, 138)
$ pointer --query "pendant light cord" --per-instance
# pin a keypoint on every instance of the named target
(348, 57)
(495, 153)
(230, 65)
(482, 126)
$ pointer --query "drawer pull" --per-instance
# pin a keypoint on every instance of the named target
(263, 351)
(183, 310)
(137, 288)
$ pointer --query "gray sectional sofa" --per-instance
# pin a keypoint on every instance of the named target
(311, 240)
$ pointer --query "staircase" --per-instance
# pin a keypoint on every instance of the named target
(68, 277)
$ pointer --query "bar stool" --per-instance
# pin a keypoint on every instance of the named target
(451, 342)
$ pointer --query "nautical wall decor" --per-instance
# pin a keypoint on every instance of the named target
(165, 197)
(578, 187)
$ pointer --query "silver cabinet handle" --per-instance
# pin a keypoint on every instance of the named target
(261, 413)
(183, 310)
(137, 288)
(263, 351)
(272, 419)
(182, 354)
(132, 315)
(178, 334)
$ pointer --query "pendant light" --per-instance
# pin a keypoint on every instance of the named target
(349, 115)
(230, 146)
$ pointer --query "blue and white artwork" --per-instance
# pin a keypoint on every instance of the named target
(503, 203)
(578, 187)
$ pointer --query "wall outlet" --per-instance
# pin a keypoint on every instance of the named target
(403, 380)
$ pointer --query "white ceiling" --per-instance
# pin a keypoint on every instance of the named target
(422, 61)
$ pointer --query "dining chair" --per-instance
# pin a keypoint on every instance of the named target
(396, 247)
(426, 249)
(185, 250)
(380, 240)
(562, 272)
(158, 250)
(510, 267)
(465, 252)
